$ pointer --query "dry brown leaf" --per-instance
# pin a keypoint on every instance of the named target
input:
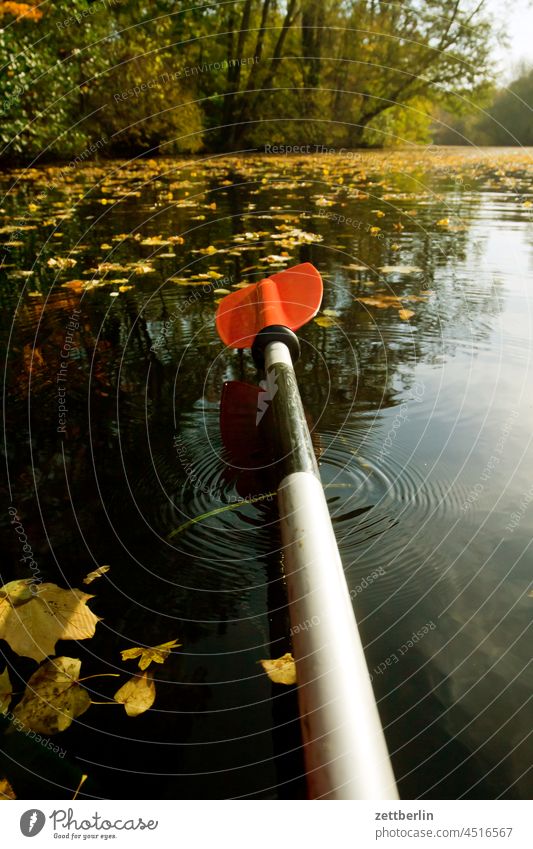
(282, 670)
(6, 791)
(6, 691)
(150, 654)
(53, 697)
(92, 576)
(33, 617)
(137, 695)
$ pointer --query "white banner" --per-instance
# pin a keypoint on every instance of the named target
(267, 824)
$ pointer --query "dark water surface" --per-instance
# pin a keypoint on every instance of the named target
(423, 423)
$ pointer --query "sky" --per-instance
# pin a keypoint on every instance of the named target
(519, 18)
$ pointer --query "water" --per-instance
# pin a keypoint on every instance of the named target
(422, 422)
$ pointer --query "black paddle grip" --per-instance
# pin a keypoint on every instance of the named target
(274, 333)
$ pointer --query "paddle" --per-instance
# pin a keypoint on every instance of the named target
(345, 752)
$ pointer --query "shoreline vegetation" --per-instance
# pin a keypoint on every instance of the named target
(116, 78)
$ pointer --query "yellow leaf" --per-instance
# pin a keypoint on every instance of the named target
(75, 285)
(96, 574)
(61, 262)
(405, 314)
(209, 250)
(6, 691)
(399, 269)
(150, 654)
(32, 625)
(443, 222)
(282, 670)
(53, 697)
(325, 321)
(221, 291)
(6, 791)
(137, 695)
(374, 231)
(331, 313)
(381, 301)
(155, 240)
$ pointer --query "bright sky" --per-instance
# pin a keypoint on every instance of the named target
(518, 15)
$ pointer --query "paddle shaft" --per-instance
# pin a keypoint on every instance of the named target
(345, 752)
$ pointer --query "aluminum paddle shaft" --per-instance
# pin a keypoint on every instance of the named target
(345, 752)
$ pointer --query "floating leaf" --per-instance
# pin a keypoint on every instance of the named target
(92, 576)
(6, 691)
(236, 506)
(399, 269)
(155, 240)
(331, 313)
(443, 222)
(137, 695)
(325, 321)
(381, 301)
(53, 697)
(282, 670)
(150, 654)
(76, 285)
(6, 791)
(221, 291)
(405, 314)
(33, 617)
(61, 262)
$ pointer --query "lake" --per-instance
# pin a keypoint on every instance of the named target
(416, 378)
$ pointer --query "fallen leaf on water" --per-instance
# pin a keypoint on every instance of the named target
(32, 620)
(381, 301)
(61, 262)
(325, 321)
(332, 313)
(399, 269)
(96, 574)
(75, 285)
(6, 691)
(282, 670)
(150, 654)
(137, 695)
(155, 240)
(53, 697)
(221, 291)
(405, 314)
(443, 222)
(6, 791)
(275, 259)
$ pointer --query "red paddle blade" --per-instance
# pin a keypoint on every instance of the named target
(290, 298)
(245, 444)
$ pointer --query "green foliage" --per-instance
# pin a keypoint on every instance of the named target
(502, 117)
(174, 76)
